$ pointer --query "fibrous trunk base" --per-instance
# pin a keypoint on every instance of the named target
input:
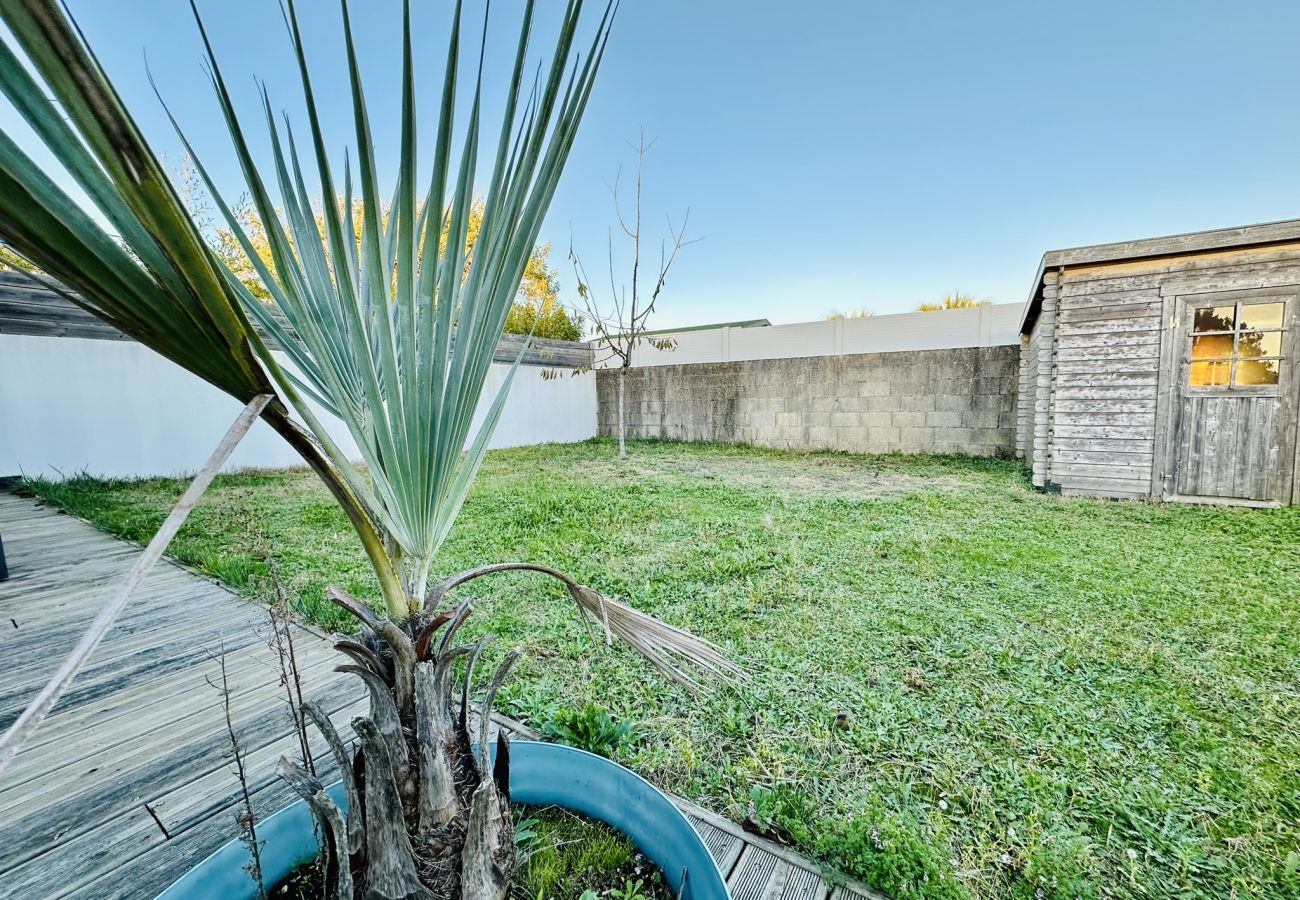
(428, 806)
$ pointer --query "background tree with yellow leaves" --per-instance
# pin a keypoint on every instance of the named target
(537, 310)
(954, 300)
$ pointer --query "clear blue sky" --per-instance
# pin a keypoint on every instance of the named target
(840, 154)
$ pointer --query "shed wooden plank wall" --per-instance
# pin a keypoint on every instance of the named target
(1094, 423)
(1039, 396)
(1106, 355)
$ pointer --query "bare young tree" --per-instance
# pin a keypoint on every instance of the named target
(280, 641)
(620, 320)
(246, 817)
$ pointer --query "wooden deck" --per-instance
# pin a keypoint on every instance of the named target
(129, 781)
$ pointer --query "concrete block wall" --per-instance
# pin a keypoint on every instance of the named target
(928, 401)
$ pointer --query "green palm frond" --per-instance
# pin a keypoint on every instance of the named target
(134, 258)
(392, 331)
(392, 325)
(145, 267)
(396, 328)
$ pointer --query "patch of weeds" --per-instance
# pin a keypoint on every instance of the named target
(524, 703)
(1057, 864)
(632, 890)
(590, 728)
(780, 813)
(563, 856)
(887, 848)
(236, 569)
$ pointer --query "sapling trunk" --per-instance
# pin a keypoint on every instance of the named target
(622, 420)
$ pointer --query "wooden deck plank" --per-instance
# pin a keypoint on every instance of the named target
(179, 621)
(186, 807)
(102, 850)
(754, 872)
(848, 892)
(104, 680)
(762, 875)
(791, 883)
(131, 731)
(140, 725)
(150, 697)
(724, 847)
(87, 795)
(798, 883)
(146, 874)
(56, 604)
(113, 846)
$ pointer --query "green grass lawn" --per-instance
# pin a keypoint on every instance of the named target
(961, 687)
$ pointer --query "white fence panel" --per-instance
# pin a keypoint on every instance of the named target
(991, 325)
(778, 341)
(692, 347)
(118, 409)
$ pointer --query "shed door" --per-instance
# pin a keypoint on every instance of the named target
(1235, 428)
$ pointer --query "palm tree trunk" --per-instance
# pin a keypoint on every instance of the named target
(428, 805)
(395, 596)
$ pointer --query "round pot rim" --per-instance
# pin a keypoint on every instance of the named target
(541, 774)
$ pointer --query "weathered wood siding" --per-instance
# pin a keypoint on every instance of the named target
(1027, 390)
(1106, 355)
(1040, 394)
(27, 308)
(1100, 351)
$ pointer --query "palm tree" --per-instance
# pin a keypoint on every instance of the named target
(391, 332)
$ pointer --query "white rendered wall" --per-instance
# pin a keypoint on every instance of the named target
(116, 408)
(991, 325)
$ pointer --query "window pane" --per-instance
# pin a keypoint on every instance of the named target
(1258, 371)
(1215, 318)
(1208, 346)
(1211, 373)
(1260, 343)
(1262, 315)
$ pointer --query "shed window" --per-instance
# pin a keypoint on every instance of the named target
(1237, 346)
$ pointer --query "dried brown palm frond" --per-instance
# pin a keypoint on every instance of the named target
(670, 649)
(665, 645)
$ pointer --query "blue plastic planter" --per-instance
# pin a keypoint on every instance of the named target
(540, 775)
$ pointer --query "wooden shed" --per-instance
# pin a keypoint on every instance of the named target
(1166, 368)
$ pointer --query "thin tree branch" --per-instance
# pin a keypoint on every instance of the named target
(247, 817)
(623, 327)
